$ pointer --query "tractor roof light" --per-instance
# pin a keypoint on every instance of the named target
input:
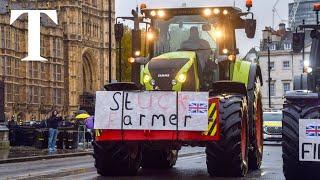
(161, 13)
(207, 12)
(316, 7)
(216, 11)
(225, 12)
(182, 78)
(131, 60)
(153, 13)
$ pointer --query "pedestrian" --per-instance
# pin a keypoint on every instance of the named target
(89, 126)
(52, 124)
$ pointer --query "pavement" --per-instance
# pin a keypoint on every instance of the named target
(27, 153)
(191, 164)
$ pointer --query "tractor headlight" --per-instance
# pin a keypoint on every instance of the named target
(218, 34)
(182, 78)
(309, 70)
(146, 78)
(150, 35)
(173, 82)
(153, 82)
(137, 53)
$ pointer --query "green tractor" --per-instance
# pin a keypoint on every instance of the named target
(192, 54)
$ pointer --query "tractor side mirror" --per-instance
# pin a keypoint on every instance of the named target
(206, 27)
(142, 60)
(250, 27)
(297, 42)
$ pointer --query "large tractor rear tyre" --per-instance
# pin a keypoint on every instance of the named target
(229, 155)
(116, 158)
(158, 159)
(255, 114)
(292, 167)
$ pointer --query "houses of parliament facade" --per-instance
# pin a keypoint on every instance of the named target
(77, 54)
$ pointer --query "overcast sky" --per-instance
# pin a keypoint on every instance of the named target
(261, 8)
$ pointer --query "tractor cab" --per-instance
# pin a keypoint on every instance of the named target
(190, 48)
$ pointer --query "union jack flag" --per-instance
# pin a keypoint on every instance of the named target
(312, 131)
(198, 108)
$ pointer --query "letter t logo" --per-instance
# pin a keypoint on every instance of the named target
(34, 30)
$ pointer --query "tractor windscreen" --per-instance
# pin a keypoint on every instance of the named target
(191, 33)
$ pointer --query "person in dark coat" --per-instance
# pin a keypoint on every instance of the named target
(52, 124)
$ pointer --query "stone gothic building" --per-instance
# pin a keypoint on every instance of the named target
(77, 53)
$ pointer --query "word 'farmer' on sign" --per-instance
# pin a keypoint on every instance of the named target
(33, 30)
(152, 110)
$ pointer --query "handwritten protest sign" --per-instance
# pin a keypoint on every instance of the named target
(151, 110)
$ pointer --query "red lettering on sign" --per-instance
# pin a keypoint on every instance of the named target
(148, 103)
(183, 102)
(112, 116)
(162, 101)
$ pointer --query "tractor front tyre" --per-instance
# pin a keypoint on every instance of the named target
(117, 158)
(229, 155)
(292, 167)
(255, 114)
(158, 159)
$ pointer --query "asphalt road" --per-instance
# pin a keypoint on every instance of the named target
(190, 166)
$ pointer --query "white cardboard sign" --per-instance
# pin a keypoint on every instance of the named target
(151, 110)
(309, 139)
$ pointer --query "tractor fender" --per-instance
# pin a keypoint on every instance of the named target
(228, 87)
(255, 71)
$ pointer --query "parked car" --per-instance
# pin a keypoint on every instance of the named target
(272, 126)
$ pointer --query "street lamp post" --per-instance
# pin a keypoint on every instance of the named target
(267, 37)
(269, 71)
(110, 40)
